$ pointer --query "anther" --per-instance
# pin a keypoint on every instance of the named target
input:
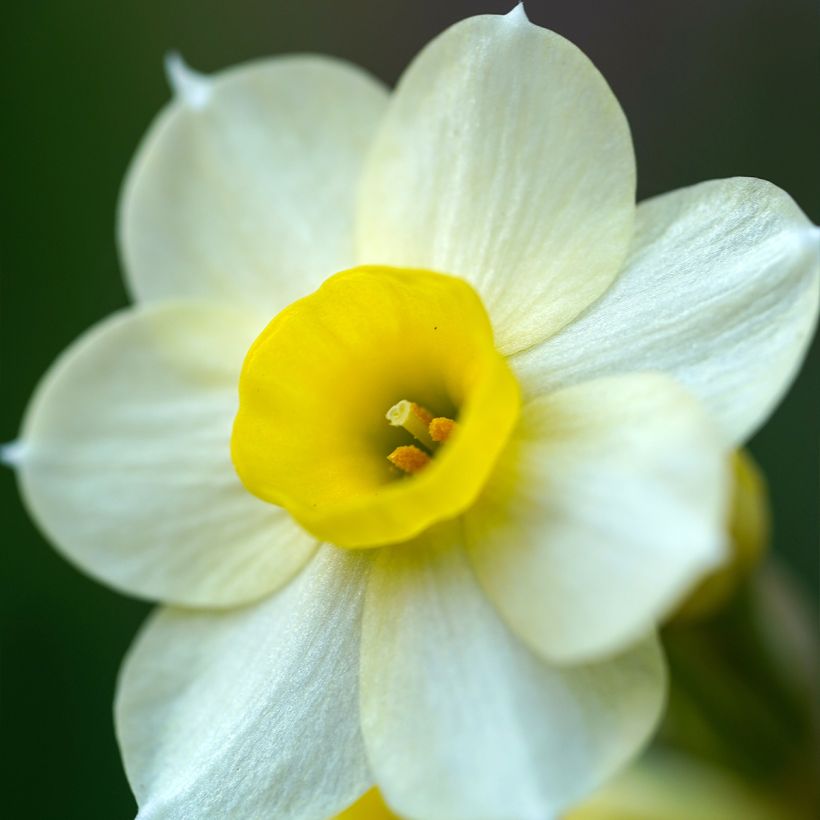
(441, 428)
(409, 458)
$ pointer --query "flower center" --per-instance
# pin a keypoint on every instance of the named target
(311, 433)
(427, 429)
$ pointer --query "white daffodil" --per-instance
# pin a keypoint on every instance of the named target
(474, 635)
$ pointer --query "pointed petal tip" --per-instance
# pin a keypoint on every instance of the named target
(517, 14)
(806, 240)
(193, 88)
(11, 453)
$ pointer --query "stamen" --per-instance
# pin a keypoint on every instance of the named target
(441, 428)
(409, 458)
(427, 430)
(414, 418)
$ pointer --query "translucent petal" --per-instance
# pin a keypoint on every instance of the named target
(243, 190)
(504, 158)
(608, 505)
(125, 461)
(720, 291)
(253, 712)
(461, 720)
(749, 529)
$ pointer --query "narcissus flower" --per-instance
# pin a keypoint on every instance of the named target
(427, 545)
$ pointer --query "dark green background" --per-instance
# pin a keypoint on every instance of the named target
(712, 89)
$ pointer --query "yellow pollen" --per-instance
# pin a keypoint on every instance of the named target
(409, 458)
(428, 430)
(414, 418)
(441, 428)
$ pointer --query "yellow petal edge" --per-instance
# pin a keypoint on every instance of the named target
(311, 434)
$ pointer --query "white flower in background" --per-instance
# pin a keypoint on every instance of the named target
(477, 637)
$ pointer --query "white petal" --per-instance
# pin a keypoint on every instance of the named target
(244, 188)
(251, 713)
(606, 508)
(504, 158)
(720, 291)
(125, 461)
(461, 720)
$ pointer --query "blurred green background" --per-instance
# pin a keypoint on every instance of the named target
(711, 90)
